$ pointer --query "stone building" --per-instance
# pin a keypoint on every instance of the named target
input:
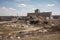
(46, 15)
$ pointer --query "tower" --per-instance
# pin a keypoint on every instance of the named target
(37, 11)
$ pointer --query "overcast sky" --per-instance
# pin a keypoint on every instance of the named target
(22, 7)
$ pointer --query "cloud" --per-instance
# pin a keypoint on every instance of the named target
(50, 5)
(22, 0)
(11, 12)
(7, 11)
(22, 5)
(12, 9)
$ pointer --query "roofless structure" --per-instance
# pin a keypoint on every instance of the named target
(46, 15)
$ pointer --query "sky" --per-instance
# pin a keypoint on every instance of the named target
(22, 7)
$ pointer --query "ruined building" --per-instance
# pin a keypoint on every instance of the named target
(46, 15)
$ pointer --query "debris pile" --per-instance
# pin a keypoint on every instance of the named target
(32, 25)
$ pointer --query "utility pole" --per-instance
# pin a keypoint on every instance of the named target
(17, 15)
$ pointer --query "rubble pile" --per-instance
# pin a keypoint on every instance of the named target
(32, 25)
(50, 25)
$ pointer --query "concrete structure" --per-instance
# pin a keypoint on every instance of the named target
(56, 16)
(46, 15)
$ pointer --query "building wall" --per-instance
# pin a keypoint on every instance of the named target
(6, 18)
(56, 16)
(43, 14)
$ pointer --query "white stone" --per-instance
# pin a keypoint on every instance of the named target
(44, 30)
(52, 24)
(18, 37)
(11, 37)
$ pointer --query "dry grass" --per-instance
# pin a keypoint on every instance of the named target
(8, 29)
(44, 37)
